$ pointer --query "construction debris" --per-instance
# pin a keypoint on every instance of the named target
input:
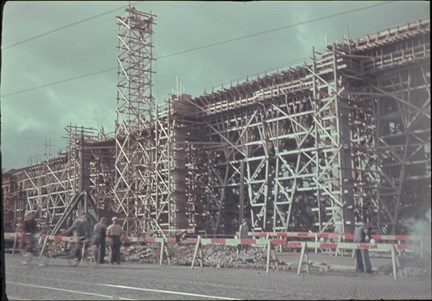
(218, 256)
(222, 256)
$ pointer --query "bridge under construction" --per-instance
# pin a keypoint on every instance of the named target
(343, 138)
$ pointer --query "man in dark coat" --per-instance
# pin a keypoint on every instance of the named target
(28, 232)
(100, 230)
(243, 234)
(362, 234)
(81, 229)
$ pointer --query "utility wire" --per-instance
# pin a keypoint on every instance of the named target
(66, 26)
(208, 46)
(276, 29)
(59, 82)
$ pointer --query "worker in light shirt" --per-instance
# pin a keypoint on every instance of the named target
(114, 232)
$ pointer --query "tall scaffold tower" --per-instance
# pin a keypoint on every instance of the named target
(135, 109)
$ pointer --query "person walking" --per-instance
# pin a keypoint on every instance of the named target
(362, 234)
(100, 230)
(28, 232)
(28, 239)
(114, 232)
(243, 234)
(81, 229)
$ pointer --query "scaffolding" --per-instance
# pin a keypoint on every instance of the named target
(48, 187)
(341, 139)
(134, 160)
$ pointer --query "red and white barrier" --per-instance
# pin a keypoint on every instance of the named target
(345, 236)
(303, 245)
(402, 242)
(267, 241)
(57, 238)
(149, 239)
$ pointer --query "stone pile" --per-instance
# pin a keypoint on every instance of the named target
(415, 272)
(219, 256)
(409, 267)
(415, 267)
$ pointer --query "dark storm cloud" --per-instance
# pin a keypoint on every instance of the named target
(31, 117)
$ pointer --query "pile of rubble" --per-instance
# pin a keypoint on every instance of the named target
(415, 272)
(222, 256)
(409, 267)
(415, 267)
(219, 256)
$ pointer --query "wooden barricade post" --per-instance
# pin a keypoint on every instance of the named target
(198, 248)
(164, 250)
(271, 252)
(303, 255)
(83, 249)
(43, 246)
(422, 247)
(267, 237)
(15, 241)
(268, 245)
(394, 261)
(339, 239)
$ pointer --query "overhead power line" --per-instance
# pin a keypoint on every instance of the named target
(209, 45)
(58, 82)
(276, 29)
(66, 26)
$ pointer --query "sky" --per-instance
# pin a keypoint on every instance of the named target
(45, 44)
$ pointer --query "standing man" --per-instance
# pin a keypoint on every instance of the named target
(100, 230)
(114, 232)
(243, 233)
(362, 234)
(81, 229)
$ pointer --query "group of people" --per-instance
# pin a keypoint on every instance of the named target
(102, 234)
(112, 234)
(81, 229)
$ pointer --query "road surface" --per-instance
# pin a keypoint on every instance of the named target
(128, 281)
